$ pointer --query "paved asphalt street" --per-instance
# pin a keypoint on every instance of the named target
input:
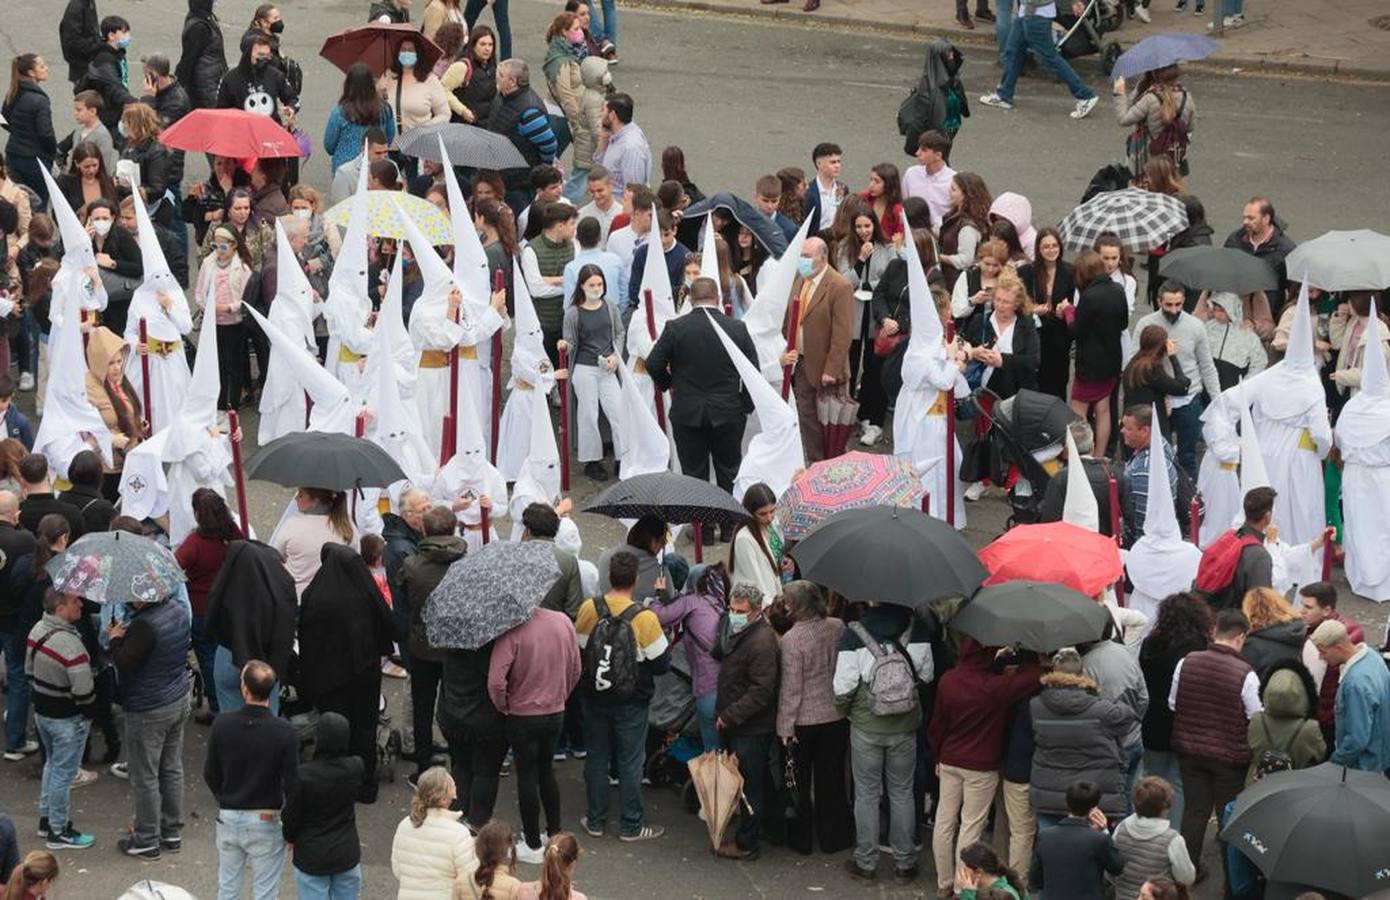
(744, 99)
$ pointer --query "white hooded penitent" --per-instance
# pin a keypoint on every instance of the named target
(349, 304)
(531, 372)
(1079, 507)
(767, 315)
(168, 365)
(292, 311)
(1160, 562)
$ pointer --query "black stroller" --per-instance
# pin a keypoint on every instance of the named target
(1026, 433)
(673, 732)
(1083, 35)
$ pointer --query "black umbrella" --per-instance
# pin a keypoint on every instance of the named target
(1218, 269)
(1042, 616)
(675, 499)
(467, 145)
(335, 462)
(765, 231)
(1326, 827)
(889, 554)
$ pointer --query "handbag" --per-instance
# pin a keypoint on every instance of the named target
(885, 344)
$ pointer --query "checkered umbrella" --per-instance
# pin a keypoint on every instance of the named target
(1142, 219)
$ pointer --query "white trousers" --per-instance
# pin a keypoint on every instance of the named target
(593, 385)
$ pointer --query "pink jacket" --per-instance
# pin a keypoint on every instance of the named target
(534, 666)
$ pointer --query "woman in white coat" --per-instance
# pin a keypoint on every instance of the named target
(432, 853)
(756, 557)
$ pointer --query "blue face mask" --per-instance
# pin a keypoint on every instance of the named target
(120, 128)
(407, 59)
(738, 621)
(902, 253)
(803, 265)
(123, 42)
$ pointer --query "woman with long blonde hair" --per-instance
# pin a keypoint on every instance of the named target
(1276, 630)
(432, 854)
(32, 878)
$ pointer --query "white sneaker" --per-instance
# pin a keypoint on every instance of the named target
(83, 778)
(120, 770)
(1142, 14)
(975, 491)
(527, 854)
(1084, 107)
(26, 381)
(29, 748)
(993, 99)
(870, 435)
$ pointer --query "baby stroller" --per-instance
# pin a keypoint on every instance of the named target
(673, 733)
(1024, 439)
(1082, 35)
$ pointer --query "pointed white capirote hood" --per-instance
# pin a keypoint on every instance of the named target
(1161, 563)
(655, 279)
(766, 317)
(1292, 388)
(144, 304)
(67, 414)
(645, 448)
(1160, 519)
(334, 409)
(709, 255)
(1079, 507)
(540, 473)
(470, 260)
(1365, 420)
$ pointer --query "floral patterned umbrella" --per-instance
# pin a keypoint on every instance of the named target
(489, 592)
(116, 567)
(851, 481)
(383, 221)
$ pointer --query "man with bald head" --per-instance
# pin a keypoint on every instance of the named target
(14, 543)
(821, 355)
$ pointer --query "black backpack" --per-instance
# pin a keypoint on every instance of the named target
(610, 655)
(920, 111)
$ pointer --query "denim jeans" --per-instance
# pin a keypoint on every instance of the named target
(154, 751)
(16, 689)
(704, 715)
(607, 27)
(205, 649)
(1164, 764)
(1187, 431)
(227, 680)
(533, 743)
(474, 8)
(63, 742)
(874, 760)
(752, 751)
(1003, 20)
(249, 836)
(1035, 32)
(343, 886)
(617, 733)
(1134, 755)
(30, 333)
(576, 185)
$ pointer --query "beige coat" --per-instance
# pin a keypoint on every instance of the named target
(1347, 374)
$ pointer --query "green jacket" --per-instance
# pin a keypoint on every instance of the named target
(999, 884)
(1287, 723)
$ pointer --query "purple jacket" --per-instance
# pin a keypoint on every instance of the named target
(700, 614)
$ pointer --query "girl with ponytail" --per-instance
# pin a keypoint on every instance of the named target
(32, 878)
(557, 872)
(495, 846)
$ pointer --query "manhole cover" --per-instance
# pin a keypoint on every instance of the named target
(1382, 23)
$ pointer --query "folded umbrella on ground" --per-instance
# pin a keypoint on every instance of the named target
(1325, 827)
(489, 592)
(334, 462)
(889, 554)
(116, 567)
(719, 786)
(1036, 615)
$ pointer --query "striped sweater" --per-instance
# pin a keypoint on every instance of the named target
(58, 668)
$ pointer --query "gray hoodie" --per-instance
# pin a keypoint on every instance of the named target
(1233, 345)
(1117, 672)
(1194, 353)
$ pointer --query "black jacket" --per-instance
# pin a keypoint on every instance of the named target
(320, 816)
(705, 388)
(1098, 473)
(124, 251)
(79, 34)
(388, 9)
(1071, 860)
(203, 61)
(97, 511)
(749, 669)
(1159, 386)
(1273, 252)
(419, 576)
(160, 171)
(29, 120)
(1102, 315)
(107, 75)
(15, 543)
(506, 111)
(1279, 643)
(465, 709)
(345, 626)
(260, 91)
(252, 760)
(252, 606)
(480, 92)
(170, 103)
(1077, 734)
(1020, 365)
(1157, 660)
(34, 507)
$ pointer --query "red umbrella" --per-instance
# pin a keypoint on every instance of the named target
(230, 132)
(1057, 551)
(377, 45)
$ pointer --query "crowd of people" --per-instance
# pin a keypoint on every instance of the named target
(1102, 763)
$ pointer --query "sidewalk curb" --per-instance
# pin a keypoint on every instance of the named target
(788, 14)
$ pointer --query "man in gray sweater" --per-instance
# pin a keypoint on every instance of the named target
(1194, 355)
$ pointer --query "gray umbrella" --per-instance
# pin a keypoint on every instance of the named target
(489, 592)
(1342, 261)
(116, 567)
(467, 145)
(1218, 269)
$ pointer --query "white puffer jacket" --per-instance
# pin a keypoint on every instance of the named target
(428, 861)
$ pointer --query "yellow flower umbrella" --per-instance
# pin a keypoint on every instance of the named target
(384, 221)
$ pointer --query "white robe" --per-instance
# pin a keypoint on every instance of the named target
(1218, 476)
(1295, 473)
(920, 436)
(283, 405)
(205, 468)
(169, 375)
(483, 480)
(432, 384)
(1366, 508)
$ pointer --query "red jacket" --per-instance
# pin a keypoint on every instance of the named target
(971, 714)
(201, 559)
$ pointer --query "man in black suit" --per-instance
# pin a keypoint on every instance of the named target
(709, 405)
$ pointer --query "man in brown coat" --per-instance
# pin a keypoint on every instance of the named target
(821, 356)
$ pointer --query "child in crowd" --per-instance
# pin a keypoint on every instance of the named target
(495, 846)
(557, 872)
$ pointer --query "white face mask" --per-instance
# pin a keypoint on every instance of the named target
(593, 293)
(304, 213)
(102, 226)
